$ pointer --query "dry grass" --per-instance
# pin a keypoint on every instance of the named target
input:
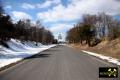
(109, 48)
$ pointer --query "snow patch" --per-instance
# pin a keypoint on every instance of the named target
(109, 59)
(19, 50)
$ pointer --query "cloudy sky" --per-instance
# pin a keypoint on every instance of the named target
(59, 15)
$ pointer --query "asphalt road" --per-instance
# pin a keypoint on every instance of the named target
(58, 63)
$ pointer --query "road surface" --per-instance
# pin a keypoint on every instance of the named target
(58, 63)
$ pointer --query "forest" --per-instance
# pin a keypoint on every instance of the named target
(93, 29)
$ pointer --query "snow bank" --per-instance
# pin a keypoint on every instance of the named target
(109, 59)
(19, 50)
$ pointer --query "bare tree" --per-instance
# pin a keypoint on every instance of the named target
(1, 8)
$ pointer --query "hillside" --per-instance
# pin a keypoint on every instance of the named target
(108, 48)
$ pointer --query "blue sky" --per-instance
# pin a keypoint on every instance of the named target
(59, 15)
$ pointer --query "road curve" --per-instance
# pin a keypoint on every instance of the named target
(58, 63)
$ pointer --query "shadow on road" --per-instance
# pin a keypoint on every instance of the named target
(51, 50)
(39, 56)
(44, 54)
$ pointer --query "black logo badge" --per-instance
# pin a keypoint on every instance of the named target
(108, 72)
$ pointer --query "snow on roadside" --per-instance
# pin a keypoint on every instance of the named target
(19, 51)
(109, 59)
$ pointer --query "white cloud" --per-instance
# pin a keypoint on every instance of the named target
(17, 15)
(28, 6)
(45, 4)
(48, 3)
(59, 13)
(8, 7)
(111, 7)
(79, 7)
(60, 27)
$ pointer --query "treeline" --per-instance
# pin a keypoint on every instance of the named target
(23, 30)
(26, 31)
(94, 29)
